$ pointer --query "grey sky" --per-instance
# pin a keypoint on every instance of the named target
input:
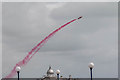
(93, 38)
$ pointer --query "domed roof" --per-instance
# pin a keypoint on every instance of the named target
(50, 71)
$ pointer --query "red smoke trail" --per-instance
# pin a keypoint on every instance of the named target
(36, 49)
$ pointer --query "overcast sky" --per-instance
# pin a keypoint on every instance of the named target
(94, 38)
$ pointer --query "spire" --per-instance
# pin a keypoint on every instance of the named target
(49, 67)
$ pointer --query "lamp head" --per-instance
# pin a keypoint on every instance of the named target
(18, 68)
(91, 65)
(58, 72)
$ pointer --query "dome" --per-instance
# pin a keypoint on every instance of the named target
(50, 71)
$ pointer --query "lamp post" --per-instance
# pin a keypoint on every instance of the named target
(58, 72)
(91, 65)
(18, 70)
(69, 77)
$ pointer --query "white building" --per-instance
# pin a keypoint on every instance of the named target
(50, 75)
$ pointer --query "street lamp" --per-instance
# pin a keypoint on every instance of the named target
(58, 72)
(69, 77)
(18, 70)
(91, 65)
